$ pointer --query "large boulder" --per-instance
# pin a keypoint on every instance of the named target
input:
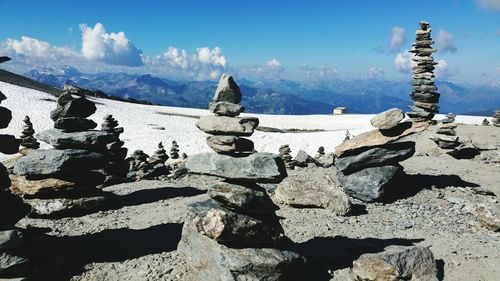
(224, 125)
(50, 162)
(227, 90)
(257, 167)
(388, 119)
(69, 107)
(369, 184)
(214, 261)
(359, 159)
(397, 263)
(377, 138)
(92, 140)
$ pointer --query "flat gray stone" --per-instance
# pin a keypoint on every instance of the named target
(388, 119)
(257, 167)
(92, 140)
(69, 107)
(248, 199)
(74, 124)
(227, 90)
(53, 162)
(223, 125)
(224, 108)
(230, 144)
(388, 154)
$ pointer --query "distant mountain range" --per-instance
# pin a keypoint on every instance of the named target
(278, 96)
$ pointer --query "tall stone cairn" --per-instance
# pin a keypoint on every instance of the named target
(27, 138)
(117, 169)
(160, 156)
(174, 150)
(13, 263)
(284, 154)
(424, 91)
(235, 234)
(64, 179)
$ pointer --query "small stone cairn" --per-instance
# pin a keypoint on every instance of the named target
(368, 164)
(138, 165)
(448, 141)
(13, 263)
(486, 122)
(284, 154)
(320, 153)
(28, 140)
(450, 118)
(117, 169)
(235, 234)
(160, 156)
(174, 150)
(424, 91)
(64, 178)
(496, 119)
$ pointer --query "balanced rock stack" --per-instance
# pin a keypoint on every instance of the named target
(496, 119)
(450, 118)
(138, 165)
(160, 156)
(234, 235)
(486, 122)
(424, 91)
(174, 150)
(448, 141)
(13, 264)
(446, 137)
(368, 163)
(117, 169)
(28, 140)
(65, 178)
(284, 154)
(320, 153)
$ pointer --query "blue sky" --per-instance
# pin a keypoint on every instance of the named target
(254, 39)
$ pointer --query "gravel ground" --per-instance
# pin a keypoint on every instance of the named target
(136, 238)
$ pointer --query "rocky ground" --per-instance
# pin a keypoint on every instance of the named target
(136, 236)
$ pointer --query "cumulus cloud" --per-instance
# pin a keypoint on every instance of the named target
(442, 69)
(375, 72)
(491, 5)
(403, 61)
(272, 69)
(111, 48)
(322, 72)
(29, 47)
(445, 42)
(398, 38)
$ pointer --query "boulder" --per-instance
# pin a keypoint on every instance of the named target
(44, 163)
(227, 90)
(249, 199)
(257, 167)
(230, 144)
(74, 124)
(388, 154)
(9, 144)
(300, 190)
(388, 119)
(397, 263)
(302, 159)
(488, 214)
(223, 125)
(370, 183)
(214, 261)
(5, 117)
(376, 137)
(224, 108)
(326, 160)
(91, 140)
(69, 107)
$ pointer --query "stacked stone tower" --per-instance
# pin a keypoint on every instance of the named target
(117, 169)
(65, 178)
(235, 234)
(284, 153)
(424, 91)
(28, 140)
(12, 263)
(174, 150)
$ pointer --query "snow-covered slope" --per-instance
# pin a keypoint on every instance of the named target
(140, 121)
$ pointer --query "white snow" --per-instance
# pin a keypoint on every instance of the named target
(139, 122)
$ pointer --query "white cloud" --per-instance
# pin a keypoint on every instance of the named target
(398, 37)
(323, 72)
(375, 72)
(111, 48)
(403, 61)
(442, 69)
(445, 42)
(274, 63)
(33, 48)
(212, 57)
(493, 5)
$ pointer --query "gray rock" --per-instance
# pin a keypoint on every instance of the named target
(388, 154)
(370, 183)
(302, 159)
(327, 160)
(65, 205)
(10, 239)
(428, 97)
(446, 131)
(227, 90)
(53, 162)
(397, 263)
(69, 107)
(213, 261)
(225, 108)
(92, 140)
(257, 167)
(9, 144)
(446, 142)
(232, 228)
(11, 265)
(249, 199)
(322, 192)
(388, 119)
(74, 124)
(5, 117)
(488, 214)
(223, 125)
(230, 144)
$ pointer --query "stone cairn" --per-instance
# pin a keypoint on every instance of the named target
(64, 179)
(28, 140)
(174, 150)
(284, 154)
(138, 165)
(450, 118)
(496, 119)
(446, 137)
(13, 263)
(320, 153)
(424, 91)
(368, 164)
(160, 156)
(347, 136)
(235, 234)
(486, 122)
(448, 141)
(117, 169)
